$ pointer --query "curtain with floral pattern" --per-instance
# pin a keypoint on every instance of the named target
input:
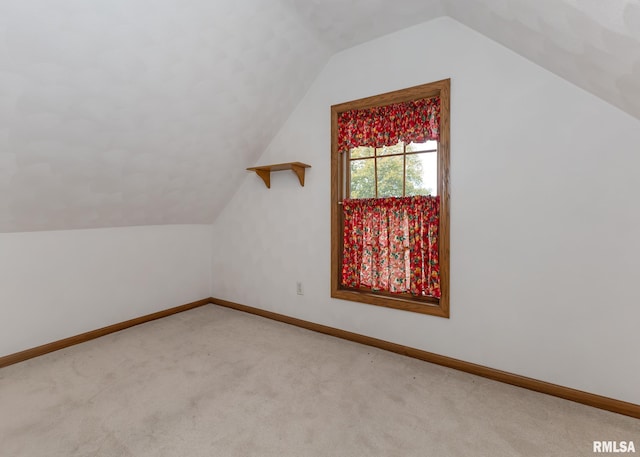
(391, 245)
(417, 121)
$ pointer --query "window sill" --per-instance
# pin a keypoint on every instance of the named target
(414, 305)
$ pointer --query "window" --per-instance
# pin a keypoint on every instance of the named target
(390, 199)
(393, 171)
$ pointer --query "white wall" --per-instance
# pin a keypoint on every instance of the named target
(544, 240)
(58, 284)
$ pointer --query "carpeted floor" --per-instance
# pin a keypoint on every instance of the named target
(218, 382)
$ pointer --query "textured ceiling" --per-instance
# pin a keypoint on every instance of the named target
(343, 24)
(594, 44)
(134, 112)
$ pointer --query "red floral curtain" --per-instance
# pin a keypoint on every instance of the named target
(417, 121)
(391, 244)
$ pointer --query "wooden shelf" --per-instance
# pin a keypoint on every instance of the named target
(264, 171)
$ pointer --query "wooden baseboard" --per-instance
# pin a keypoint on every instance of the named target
(77, 339)
(586, 398)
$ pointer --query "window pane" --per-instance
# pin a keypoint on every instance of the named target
(426, 146)
(422, 174)
(362, 151)
(390, 176)
(395, 149)
(363, 179)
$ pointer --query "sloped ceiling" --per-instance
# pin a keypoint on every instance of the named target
(135, 112)
(594, 44)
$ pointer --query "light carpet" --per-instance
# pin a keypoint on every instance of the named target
(219, 382)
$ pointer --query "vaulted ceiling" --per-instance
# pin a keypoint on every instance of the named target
(134, 112)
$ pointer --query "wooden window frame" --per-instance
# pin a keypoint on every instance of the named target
(428, 305)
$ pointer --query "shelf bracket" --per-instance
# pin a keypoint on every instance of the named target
(266, 177)
(298, 170)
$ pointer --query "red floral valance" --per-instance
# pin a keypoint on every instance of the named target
(391, 245)
(417, 121)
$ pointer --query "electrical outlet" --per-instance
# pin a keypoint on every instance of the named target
(299, 290)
